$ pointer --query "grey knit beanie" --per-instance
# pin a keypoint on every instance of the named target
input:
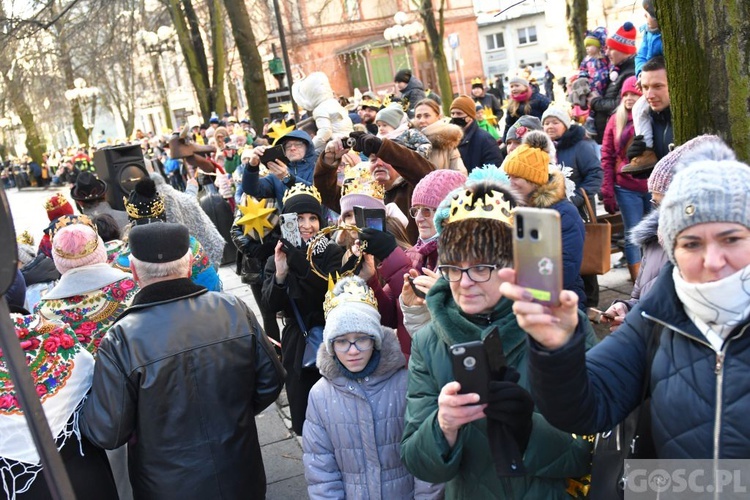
(351, 311)
(523, 125)
(705, 191)
(392, 115)
(559, 113)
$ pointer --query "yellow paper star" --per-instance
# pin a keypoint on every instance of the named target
(279, 131)
(490, 116)
(286, 107)
(255, 217)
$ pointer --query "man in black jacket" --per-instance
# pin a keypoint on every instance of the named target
(478, 147)
(180, 377)
(621, 53)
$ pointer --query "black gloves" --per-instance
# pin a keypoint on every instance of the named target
(511, 405)
(296, 259)
(509, 410)
(367, 144)
(379, 243)
(636, 148)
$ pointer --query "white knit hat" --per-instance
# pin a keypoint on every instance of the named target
(351, 308)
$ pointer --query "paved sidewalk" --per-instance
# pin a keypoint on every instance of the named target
(281, 448)
(282, 452)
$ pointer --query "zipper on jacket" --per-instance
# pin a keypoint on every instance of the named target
(720, 356)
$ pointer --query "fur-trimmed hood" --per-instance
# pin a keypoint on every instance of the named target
(391, 359)
(443, 136)
(645, 231)
(571, 137)
(550, 193)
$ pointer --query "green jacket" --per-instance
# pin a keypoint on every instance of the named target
(551, 457)
(485, 125)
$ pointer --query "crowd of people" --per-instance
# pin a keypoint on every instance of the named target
(380, 234)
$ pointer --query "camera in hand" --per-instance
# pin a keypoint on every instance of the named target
(349, 142)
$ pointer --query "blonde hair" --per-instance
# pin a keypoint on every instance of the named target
(622, 116)
(513, 106)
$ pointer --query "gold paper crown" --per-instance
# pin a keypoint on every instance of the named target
(300, 188)
(87, 249)
(154, 208)
(353, 291)
(358, 180)
(55, 201)
(476, 81)
(69, 220)
(25, 238)
(370, 103)
(493, 205)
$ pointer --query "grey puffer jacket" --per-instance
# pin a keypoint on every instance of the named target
(654, 257)
(352, 434)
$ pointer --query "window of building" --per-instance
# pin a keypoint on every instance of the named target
(352, 10)
(527, 35)
(495, 41)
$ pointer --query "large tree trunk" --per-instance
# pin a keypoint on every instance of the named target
(194, 59)
(34, 143)
(708, 63)
(218, 56)
(67, 68)
(435, 33)
(576, 19)
(252, 65)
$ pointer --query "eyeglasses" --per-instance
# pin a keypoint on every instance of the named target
(293, 144)
(426, 212)
(362, 344)
(478, 274)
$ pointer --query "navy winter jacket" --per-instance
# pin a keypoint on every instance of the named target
(700, 398)
(270, 186)
(478, 148)
(578, 152)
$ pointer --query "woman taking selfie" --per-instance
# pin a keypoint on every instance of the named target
(501, 449)
(697, 315)
(290, 283)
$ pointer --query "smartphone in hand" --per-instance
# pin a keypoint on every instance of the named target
(471, 369)
(419, 293)
(290, 229)
(275, 154)
(373, 218)
(537, 253)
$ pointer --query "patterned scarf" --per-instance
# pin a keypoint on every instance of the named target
(716, 307)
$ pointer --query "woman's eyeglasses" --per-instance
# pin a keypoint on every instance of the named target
(478, 274)
(362, 344)
(426, 212)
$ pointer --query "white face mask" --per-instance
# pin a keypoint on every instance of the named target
(721, 304)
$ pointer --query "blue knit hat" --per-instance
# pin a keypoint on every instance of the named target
(706, 191)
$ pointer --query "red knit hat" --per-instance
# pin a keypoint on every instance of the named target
(630, 85)
(56, 206)
(624, 39)
(435, 186)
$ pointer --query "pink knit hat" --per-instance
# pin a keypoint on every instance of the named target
(629, 85)
(75, 246)
(435, 186)
(349, 201)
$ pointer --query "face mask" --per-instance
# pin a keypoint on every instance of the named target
(461, 122)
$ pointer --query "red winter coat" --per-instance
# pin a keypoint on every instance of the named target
(614, 158)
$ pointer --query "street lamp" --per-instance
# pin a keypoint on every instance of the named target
(156, 44)
(403, 33)
(84, 95)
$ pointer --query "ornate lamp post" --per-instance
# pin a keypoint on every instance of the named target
(156, 44)
(86, 98)
(403, 33)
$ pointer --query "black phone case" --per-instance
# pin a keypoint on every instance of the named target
(273, 154)
(419, 293)
(474, 376)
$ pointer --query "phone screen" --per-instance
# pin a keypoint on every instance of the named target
(373, 218)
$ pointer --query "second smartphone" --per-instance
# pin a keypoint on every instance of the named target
(537, 253)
